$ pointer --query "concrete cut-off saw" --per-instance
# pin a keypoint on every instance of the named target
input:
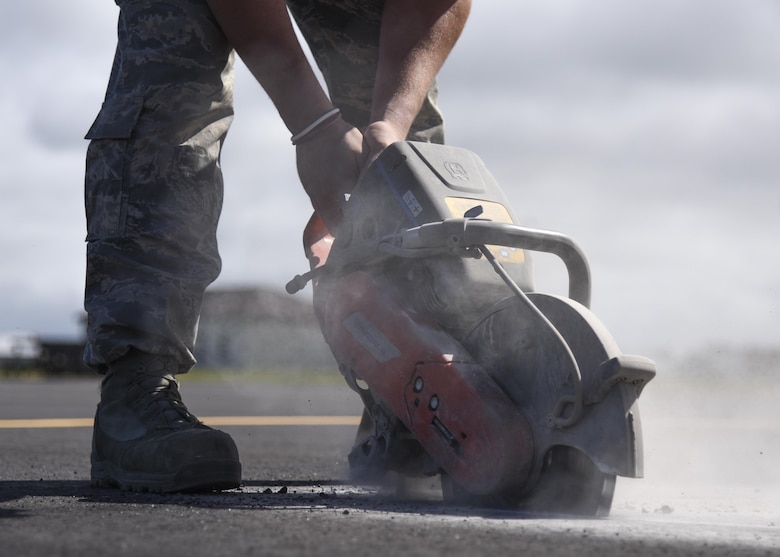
(425, 296)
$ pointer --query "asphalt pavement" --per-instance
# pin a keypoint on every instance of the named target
(711, 486)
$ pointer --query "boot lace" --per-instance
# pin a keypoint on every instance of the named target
(163, 401)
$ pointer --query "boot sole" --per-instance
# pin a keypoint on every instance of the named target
(213, 475)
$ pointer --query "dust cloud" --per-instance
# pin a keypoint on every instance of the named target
(711, 436)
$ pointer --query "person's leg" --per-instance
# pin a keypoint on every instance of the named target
(343, 36)
(153, 195)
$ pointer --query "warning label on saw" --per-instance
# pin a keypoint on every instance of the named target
(371, 338)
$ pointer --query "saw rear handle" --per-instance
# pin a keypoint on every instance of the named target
(454, 234)
(459, 234)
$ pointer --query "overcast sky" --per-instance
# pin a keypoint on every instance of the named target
(646, 130)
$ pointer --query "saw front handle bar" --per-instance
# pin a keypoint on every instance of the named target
(453, 234)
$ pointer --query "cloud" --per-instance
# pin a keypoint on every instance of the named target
(645, 82)
(533, 43)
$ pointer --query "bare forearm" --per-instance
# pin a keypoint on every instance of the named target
(263, 36)
(416, 38)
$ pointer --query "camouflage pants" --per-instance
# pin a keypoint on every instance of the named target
(153, 185)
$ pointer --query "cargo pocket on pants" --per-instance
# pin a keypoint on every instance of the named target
(105, 190)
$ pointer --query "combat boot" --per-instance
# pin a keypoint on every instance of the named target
(145, 439)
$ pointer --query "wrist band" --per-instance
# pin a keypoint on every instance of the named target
(313, 126)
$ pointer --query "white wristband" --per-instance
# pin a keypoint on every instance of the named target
(314, 125)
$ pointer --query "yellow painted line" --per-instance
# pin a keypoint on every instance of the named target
(45, 423)
(216, 421)
(281, 420)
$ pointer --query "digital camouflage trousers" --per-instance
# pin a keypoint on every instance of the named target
(153, 183)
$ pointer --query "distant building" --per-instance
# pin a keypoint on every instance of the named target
(240, 328)
(19, 350)
(29, 351)
(252, 328)
(62, 357)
